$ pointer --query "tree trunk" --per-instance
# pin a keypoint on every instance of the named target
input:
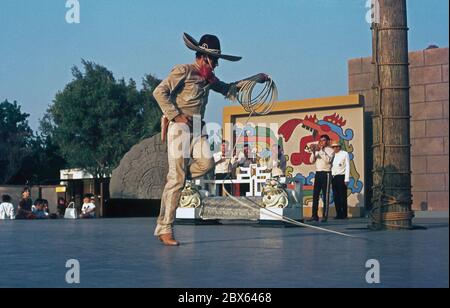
(102, 197)
(391, 122)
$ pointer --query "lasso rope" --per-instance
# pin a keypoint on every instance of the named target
(284, 218)
(262, 104)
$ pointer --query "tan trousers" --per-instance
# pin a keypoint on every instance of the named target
(186, 154)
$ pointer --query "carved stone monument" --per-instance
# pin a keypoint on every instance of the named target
(142, 172)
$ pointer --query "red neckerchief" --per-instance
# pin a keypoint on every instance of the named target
(208, 74)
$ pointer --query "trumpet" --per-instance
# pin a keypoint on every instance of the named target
(312, 147)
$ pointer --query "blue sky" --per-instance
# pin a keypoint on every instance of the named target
(303, 44)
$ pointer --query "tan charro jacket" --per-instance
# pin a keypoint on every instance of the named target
(184, 91)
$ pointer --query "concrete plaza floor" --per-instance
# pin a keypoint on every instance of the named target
(123, 253)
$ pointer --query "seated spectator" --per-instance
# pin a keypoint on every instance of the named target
(24, 208)
(88, 208)
(47, 210)
(38, 209)
(61, 207)
(6, 208)
(45, 206)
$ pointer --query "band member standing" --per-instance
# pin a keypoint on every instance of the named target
(322, 156)
(182, 96)
(242, 160)
(223, 169)
(279, 163)
(341, 178)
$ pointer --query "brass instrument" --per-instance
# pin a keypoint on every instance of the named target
(312, 147)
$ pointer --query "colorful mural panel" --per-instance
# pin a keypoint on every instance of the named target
(294, 130)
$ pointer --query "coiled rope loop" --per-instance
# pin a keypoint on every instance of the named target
(262, 102)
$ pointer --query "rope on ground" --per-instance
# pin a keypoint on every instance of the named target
(285, 219)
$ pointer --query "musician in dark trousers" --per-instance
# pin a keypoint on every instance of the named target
(322, 157)
(341, 179)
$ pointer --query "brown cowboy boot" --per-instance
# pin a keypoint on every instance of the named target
(168, 240)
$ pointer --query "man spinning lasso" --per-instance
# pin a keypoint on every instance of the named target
(183, 96)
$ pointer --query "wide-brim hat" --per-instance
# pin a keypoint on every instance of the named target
(208, 45)
(336, 144)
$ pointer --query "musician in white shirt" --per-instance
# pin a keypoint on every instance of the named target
(322, 156)
(341, 178)
(242, 159)
(223, 169)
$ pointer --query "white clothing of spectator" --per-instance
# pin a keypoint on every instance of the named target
(7, 208)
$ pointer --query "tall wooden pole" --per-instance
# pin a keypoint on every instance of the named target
(392, 197)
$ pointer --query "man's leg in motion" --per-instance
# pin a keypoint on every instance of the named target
(178, 143)
(202, 158)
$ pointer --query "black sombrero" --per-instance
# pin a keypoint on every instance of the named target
(208, 45)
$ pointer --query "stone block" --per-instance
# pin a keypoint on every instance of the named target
(436, 56)
(425, 75)
(436, 92)
(428, 146)
(355, 66)
(417, 94)
(419, 164)
(360, 82)
(437, 164)
(437, 128)
(438, 201)
(428, 182)
(416, 58)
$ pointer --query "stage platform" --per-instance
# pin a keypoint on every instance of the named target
(123, 253)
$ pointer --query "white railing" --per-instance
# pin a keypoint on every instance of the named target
(252, 175)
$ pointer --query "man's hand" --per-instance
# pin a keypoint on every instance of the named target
(184, 119)
(261, 78)
(313, 148)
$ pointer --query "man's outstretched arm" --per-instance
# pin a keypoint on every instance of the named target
(229, 90)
